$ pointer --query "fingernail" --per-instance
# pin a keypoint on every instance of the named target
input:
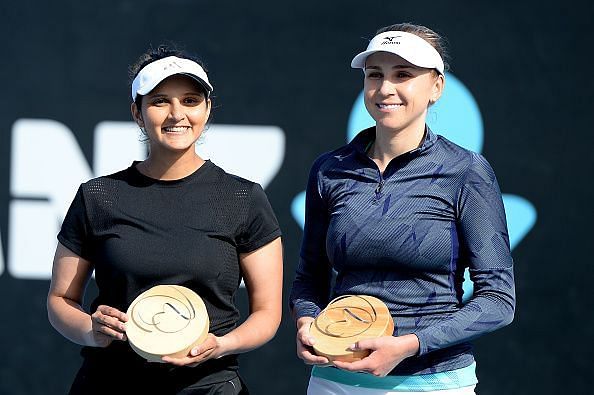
(194, 352)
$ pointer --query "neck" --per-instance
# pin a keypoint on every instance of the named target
(390, 144)
(170, 167)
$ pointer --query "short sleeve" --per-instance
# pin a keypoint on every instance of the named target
(261, 225)
(74, 232)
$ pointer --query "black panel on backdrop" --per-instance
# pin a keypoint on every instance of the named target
(288, 66)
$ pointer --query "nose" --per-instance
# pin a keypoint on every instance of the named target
(176, 112)
(387, 88)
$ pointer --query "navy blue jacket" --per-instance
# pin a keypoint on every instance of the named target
(406, 237)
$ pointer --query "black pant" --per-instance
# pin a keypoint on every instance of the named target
(231, 387)
(158, 379)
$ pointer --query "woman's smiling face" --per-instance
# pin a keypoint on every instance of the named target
(397, 93)
(173, 114)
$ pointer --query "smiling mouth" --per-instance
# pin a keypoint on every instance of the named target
(388, 106)
(176, 129)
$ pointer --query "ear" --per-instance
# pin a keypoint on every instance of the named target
(208, 107)
(437, 89)
(136, 115)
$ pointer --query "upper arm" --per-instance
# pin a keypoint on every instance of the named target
(482, 220)
(313, 274)
(70, 275)
(263, 276)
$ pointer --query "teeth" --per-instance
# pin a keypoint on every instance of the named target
(388, 106)
(176, 129)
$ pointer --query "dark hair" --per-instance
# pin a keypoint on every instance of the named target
(153, 54)
(437, 41)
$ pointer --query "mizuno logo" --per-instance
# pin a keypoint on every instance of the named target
(390, 40)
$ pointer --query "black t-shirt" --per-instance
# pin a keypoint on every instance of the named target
(139, 232)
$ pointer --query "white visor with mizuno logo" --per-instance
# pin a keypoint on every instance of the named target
(408, 46)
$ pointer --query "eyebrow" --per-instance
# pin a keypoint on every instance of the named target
(189, 93)
(398, 66)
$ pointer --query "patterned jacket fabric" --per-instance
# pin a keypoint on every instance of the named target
(406, 237)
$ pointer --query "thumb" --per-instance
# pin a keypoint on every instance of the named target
(364, 344)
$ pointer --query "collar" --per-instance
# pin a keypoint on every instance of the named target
(366, 137)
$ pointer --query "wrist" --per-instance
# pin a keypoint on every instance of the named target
(225, 345)
(412, 344)
(301, 321)
(88, 337)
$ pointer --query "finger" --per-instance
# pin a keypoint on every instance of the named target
(305, 339)
(177, 361)
(357, 366)
(310, 358)
(201, 349)
(116, 331)
(102, 321)
(188, 361)
(113, 312)
(104, 315)
(208, 345)
(365, 344)
(107, 331)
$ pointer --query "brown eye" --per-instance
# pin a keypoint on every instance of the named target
(374, 75)
(159, 100)
(193, 100)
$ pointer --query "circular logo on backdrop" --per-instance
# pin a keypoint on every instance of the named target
(457, 117)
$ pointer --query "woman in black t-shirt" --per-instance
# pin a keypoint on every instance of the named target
(173, 218)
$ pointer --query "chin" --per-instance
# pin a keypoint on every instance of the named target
(389, 124)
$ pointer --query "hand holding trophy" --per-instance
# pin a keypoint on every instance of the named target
(346, 320)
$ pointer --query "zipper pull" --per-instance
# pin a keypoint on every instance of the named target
(378, 190)
(378, 193)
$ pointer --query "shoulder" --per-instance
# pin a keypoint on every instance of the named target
(345, 156)
(222, 177)
(110, 181)
(233, 187)
(465, 160)
(102, 182)
(332, 159)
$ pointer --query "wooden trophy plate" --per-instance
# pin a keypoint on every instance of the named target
(166, 320)
(346, 320)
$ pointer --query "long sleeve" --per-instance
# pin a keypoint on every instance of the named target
(484, 244)
(311, 286)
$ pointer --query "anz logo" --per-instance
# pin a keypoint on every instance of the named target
(47, 166)
(457, 117)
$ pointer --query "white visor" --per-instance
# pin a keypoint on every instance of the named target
(408, 46)
(153, 73)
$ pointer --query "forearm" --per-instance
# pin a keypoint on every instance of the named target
(489, 309)
(311, 288)
(255, 331)
(69, 319)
